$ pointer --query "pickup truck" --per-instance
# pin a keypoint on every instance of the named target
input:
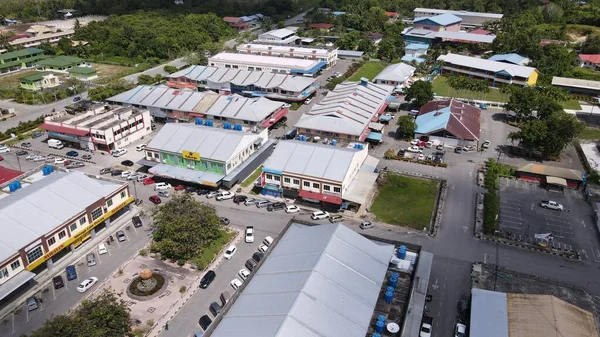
(426, 326)
(551, 205)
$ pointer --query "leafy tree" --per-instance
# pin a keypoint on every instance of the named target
(406, 127)
(170, 69)
(555, 60)
(64, 46)
(101, 93)
(145, 79)
(419, 93)
(366, 46)
(184, 226)
(522, 101)
(349, 41)
(390, 49)
(280, 24)
(591, 45)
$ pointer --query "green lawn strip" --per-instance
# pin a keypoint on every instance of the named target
(440, 88)
(252, 178)
(405, 201)
(572, 104)
(209, 252)
(590, 134)
(368, 70)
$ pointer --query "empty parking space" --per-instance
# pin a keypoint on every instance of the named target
(522, 217)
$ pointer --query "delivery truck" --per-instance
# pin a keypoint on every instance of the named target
(55, 144)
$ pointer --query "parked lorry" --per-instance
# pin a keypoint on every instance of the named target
(55, 144)
(426, 326)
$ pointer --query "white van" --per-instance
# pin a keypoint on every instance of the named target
(162, 186)
(55, 144)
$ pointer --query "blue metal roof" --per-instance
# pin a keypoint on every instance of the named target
(433, 121)
(416, 46)
(407, 58)
(442, 20)
(511, 58)
(375, 136)
(311, 70)
(338, 13)
(385, 118)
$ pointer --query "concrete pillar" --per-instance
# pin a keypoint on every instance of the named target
(49, 264)
(72, 247)
(93, 233)
(107, 222)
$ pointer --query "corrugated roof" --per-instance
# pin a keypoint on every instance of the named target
(416, 46)
(210, 143)
(62, 61)
(459, 119)
(35, 77)
(300, 50)
(82, 70)
(319, 281)
(40, 207)
(407, 58)
(20, 53)
(266, 61)
(313, 159)
(458, 13)
(347, 109)
(487, 65)
(398, 72)
(575, 83)
(350, 53)
(361, 186)
(279, 33)
(489, 314)
(442, 20)
(511, 58)
(593, 58)
(551, 171)
(466, 37)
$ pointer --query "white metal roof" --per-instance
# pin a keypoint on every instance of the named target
(261, 79)
(210, 143)
(576, 83)
(41, 207)
(458, 13)
(279, 33)
(347, 109)
(242, 108)
(256, 47)
(398, 72)
(464, 36)
(319, 281)
(265, 61)
(487, 65)
(312, 159)
(489, 314)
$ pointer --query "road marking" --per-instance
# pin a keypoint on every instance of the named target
(583, 223)
(435, 285)
(466, 228)
(532, 205)
(584, 253)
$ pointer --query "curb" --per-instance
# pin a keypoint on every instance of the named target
(55, 155)
(572, 256)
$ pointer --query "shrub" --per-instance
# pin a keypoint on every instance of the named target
(491, 206)
(143, 252)
(181, 262)
(150, 323)
(182, 289)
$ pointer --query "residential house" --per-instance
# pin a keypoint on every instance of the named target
(438, 23)
(590, 61)
(236, 23)
(416, 49)
(396, 75)
(20, 59)
(39, 81)
(61, 64)
(83, 73)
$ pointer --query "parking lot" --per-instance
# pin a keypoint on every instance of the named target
(521, 217)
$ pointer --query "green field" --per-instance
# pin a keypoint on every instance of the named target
(440, 88)
(209, 253)
(590, 134)
(368, 70)
(405, 201)
(572, 104)
(252, 178)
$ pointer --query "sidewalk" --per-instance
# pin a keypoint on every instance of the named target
(46, 276)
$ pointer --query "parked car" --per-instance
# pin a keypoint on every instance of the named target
(202, 191)
(249, 238)
(75, 164)
(72, 153)
(26, 144)
(148, 181)
(163, 193)
(137, 221)
(257, 256)
(336, 218)
(91, 260)
(212, 194)
(105, 170)
(140, 147)
(460, 330)
(1, 158)
(116, 172)
(86, 156)
(263, 204)
(225, 195)
(263, 248)
(230, 252)
(268, 241)
(319, 215)
(292, 209)
(225, 220)
(87, 284)
(155, 199)
(276, 206)
(39, 158)
(250, 201)
(37, 134)
(4, 149)
(549, 204)
(121, 236)
(18, 153)
(190, 189)
(215, 308)
(132, 176)
(207, 279)
(414, 142)
(58, 282)
(76, 98)
(32, 303)
(204, 322)
(102, 249)
(486, 144)
(251, 264)
(127, 163)
(239, 198)
(414, 149)
(458, 150)
(308, 101)
(162, 186)
(179, 188)
(126, 174)
(141, 177)
(366, 225)
(71, 273)
(118, 152)
(244, 273)
(31, 156)
(235, 284)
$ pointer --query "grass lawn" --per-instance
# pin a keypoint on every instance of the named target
(208, 253)
(368, 70)
(571, 104)
(252, 178)
(405, 201)
(442, 89)
(590, 134)
(109, 70)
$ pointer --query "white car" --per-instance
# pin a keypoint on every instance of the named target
(287, 105)
(421, 157)
(414, 149)
(140, 147)
(308, 100)
(319, 215)
(30, 156)
(87, 284)
(140, 177)
(212, 194)
(292, 209)
(59, 161)
(102, 249)
(225, 195)
(39, 158)
(389, 115)
(249, 234)
(126, 174)
(486, 144)
(250, 201)
(268, 241)
(235, 284)
(460, 330)
(162, 186)
(244, 273)
(230, 252)
(263, 248)
(132, 176)
(414, 142)
(118, 152)
(4, 149)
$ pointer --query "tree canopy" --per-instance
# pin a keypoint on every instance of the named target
(419, 93)
(110, 89)
(406, 127)
(184, 226)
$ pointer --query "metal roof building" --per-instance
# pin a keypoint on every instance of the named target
(513, 58)
(577, 86)
(445, 19)
(468, 18)
(464, 37)
(347, 110)
(450, 121)
(319, 281)
(286, 65)
(395, 74)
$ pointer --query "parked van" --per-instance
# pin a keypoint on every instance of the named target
(291, 134)
(251, 264)
(215, 308)
(32, 303)
(55, 144)
(225, 297)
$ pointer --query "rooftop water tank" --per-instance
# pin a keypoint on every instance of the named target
(381, 318)
(198, 121)
(388, 297)
(402, 252)
(334, 142)
(379, 326)
(393, 282)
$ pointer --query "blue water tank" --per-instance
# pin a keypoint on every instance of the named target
(402, 252)
(376, 335)
(388, 296)
(334, 142)
(18, 184)
(237, 127)
(379, 326)
(209, 123)
(12, 187)
(381, 318)
(392, 282)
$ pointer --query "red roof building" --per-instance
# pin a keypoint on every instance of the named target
(235, 22)
(232, 19)
(391, 15)
(7, 174)
(591, 61)
(325, 26)
(450, 121)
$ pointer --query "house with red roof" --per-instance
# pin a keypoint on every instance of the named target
(236, 23)
(591, 61)
(324, 26)
(392, 15)
(449, 121)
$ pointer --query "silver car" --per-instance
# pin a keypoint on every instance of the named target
(263, 204)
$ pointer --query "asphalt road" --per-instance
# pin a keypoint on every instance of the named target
(296, 19)
(156, 70)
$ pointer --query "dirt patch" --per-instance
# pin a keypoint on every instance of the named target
(109, 70)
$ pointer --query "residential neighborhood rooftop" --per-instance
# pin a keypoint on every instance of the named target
(82, 70)
(20, 53)
(457, 12)
(35, 77)
(576, 83)
(442, 20)
(274, 49)
(487, 65)
(61, 61)
(398, 72)
(465, 37)
(513, 58)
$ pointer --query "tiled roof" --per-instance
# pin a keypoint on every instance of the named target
(593, 58)
(459, 119)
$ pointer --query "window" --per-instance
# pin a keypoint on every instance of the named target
(306, 184)
(62, 234)
(73, 226)
(123, 194)
(98, 212)
(51, 241)
(81, 221)
(326, 188)
(109, 203)
(296, 181)
(15, 265)
(270, 176)
(286, 180)
(34, 254)
(3, 272)
(277, 178)
(337, 189)
(315, 185)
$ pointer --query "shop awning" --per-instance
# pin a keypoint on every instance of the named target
(321, 197)
(15, 282)
(375, 136)
(376, 126)
(556, 181)
(185, 174)
(65, 130)
(146, 162)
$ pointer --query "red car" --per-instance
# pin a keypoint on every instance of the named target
(67, 162)
(155, 199)
(148, 181)
(179, 188)
(1, 158)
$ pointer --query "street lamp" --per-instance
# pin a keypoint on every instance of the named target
(19, 162)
